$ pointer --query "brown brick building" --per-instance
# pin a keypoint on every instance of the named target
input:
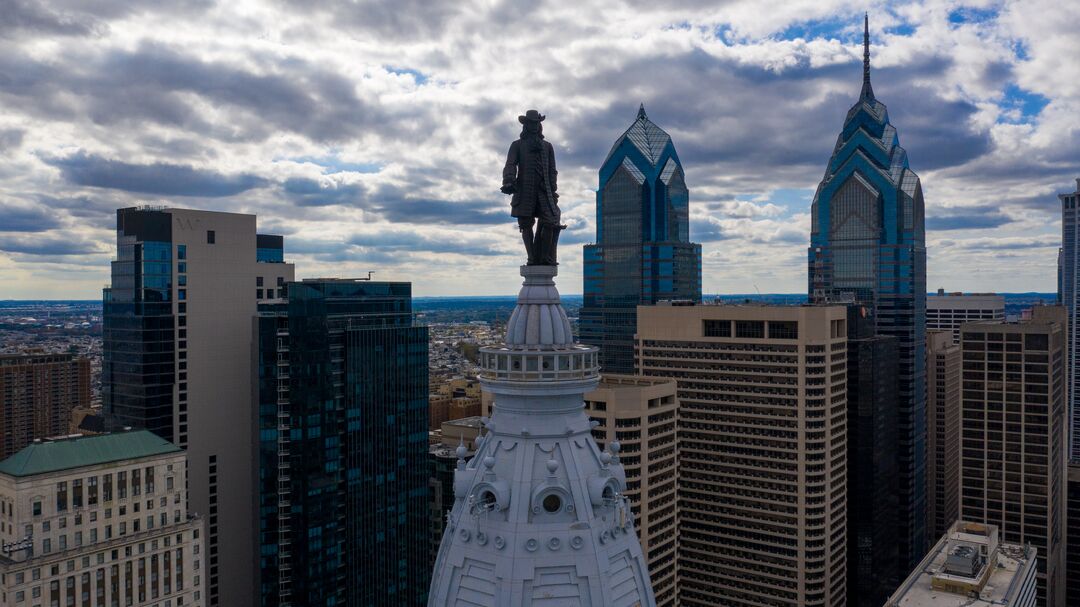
(37, 394)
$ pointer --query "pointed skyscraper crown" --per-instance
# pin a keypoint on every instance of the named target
(648, 138)
(867, 90)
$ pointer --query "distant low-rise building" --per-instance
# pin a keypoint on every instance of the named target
(970, 566)
(37, 394)
(947, 311)
(99, 520)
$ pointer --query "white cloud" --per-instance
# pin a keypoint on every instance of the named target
(393, 117)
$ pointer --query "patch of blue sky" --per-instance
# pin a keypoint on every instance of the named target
(966, 14)
(902, 29)
(833, 27)
(332, 164)
(1023, 102)
(418, 76)
(792, 200)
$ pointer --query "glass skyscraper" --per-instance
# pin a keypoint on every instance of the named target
(867, 246)
(343, 446)
(643, 252)
(1068, 265)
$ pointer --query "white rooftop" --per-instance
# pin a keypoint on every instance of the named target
(1004, 574)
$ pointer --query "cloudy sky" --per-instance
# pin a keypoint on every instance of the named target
(372, 133)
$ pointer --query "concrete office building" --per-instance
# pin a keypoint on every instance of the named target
(38, 392)
(1072, 539)
(970, 566)
(640, 413)
(1013, 450)
(942, 431)
(762, 449)
(177, 361)
(1068, 278)
(947, 311)
(101, 519)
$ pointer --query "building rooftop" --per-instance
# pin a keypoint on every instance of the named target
(78, 451)
(969, 567)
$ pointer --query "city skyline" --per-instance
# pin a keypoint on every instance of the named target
(359, 140)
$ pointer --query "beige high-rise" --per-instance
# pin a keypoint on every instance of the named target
(762, 449)
(216, 278)
(942, 432)
(640, 413)
(1013, 428)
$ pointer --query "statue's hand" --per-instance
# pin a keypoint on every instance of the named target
(507, 189)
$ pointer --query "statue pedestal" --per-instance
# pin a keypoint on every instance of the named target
(539, 511)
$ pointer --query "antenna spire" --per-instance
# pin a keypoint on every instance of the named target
(641, 112)
(867, 90)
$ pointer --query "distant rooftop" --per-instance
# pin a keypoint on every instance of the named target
(78, 451)
(969, 567)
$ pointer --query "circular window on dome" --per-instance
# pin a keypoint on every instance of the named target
(552, 503)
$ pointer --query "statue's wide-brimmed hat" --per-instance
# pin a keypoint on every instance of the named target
(531, 116)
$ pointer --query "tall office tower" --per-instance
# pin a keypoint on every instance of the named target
(762, 449)
(102, 519)
(943, 360)
(1072, 539)
(947, 311)
(1068, 279)
(867, 246)
(37, 393)
(971, 566)
(1012, 468)
(871, 465)
(643, 252)
(540, 516)
(639, 413)
(177, 337)
(343, 450)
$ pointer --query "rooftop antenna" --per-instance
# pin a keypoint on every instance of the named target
(867, 90)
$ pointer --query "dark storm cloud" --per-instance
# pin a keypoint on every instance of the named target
(154, 84)
(967, 218)
(46, 245)
(395, 204)
(159, 178)
(434, 243)
(36, 17)
(310, 193)
(24, 219)
(396, 246)
(399, 20)
(10, 139)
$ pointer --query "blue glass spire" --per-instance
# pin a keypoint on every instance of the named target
(868, 246)
(643, 252)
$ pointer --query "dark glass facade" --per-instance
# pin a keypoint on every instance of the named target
(868, 246)
(1072, 539)
(343, 449)
(643, 252)
(138, 364)
(872, 501)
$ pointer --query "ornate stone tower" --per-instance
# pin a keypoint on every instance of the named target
(539, 517)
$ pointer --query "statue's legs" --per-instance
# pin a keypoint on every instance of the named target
(525, 225)
(547, 238)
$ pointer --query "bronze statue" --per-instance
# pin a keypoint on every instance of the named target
(530, 176)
